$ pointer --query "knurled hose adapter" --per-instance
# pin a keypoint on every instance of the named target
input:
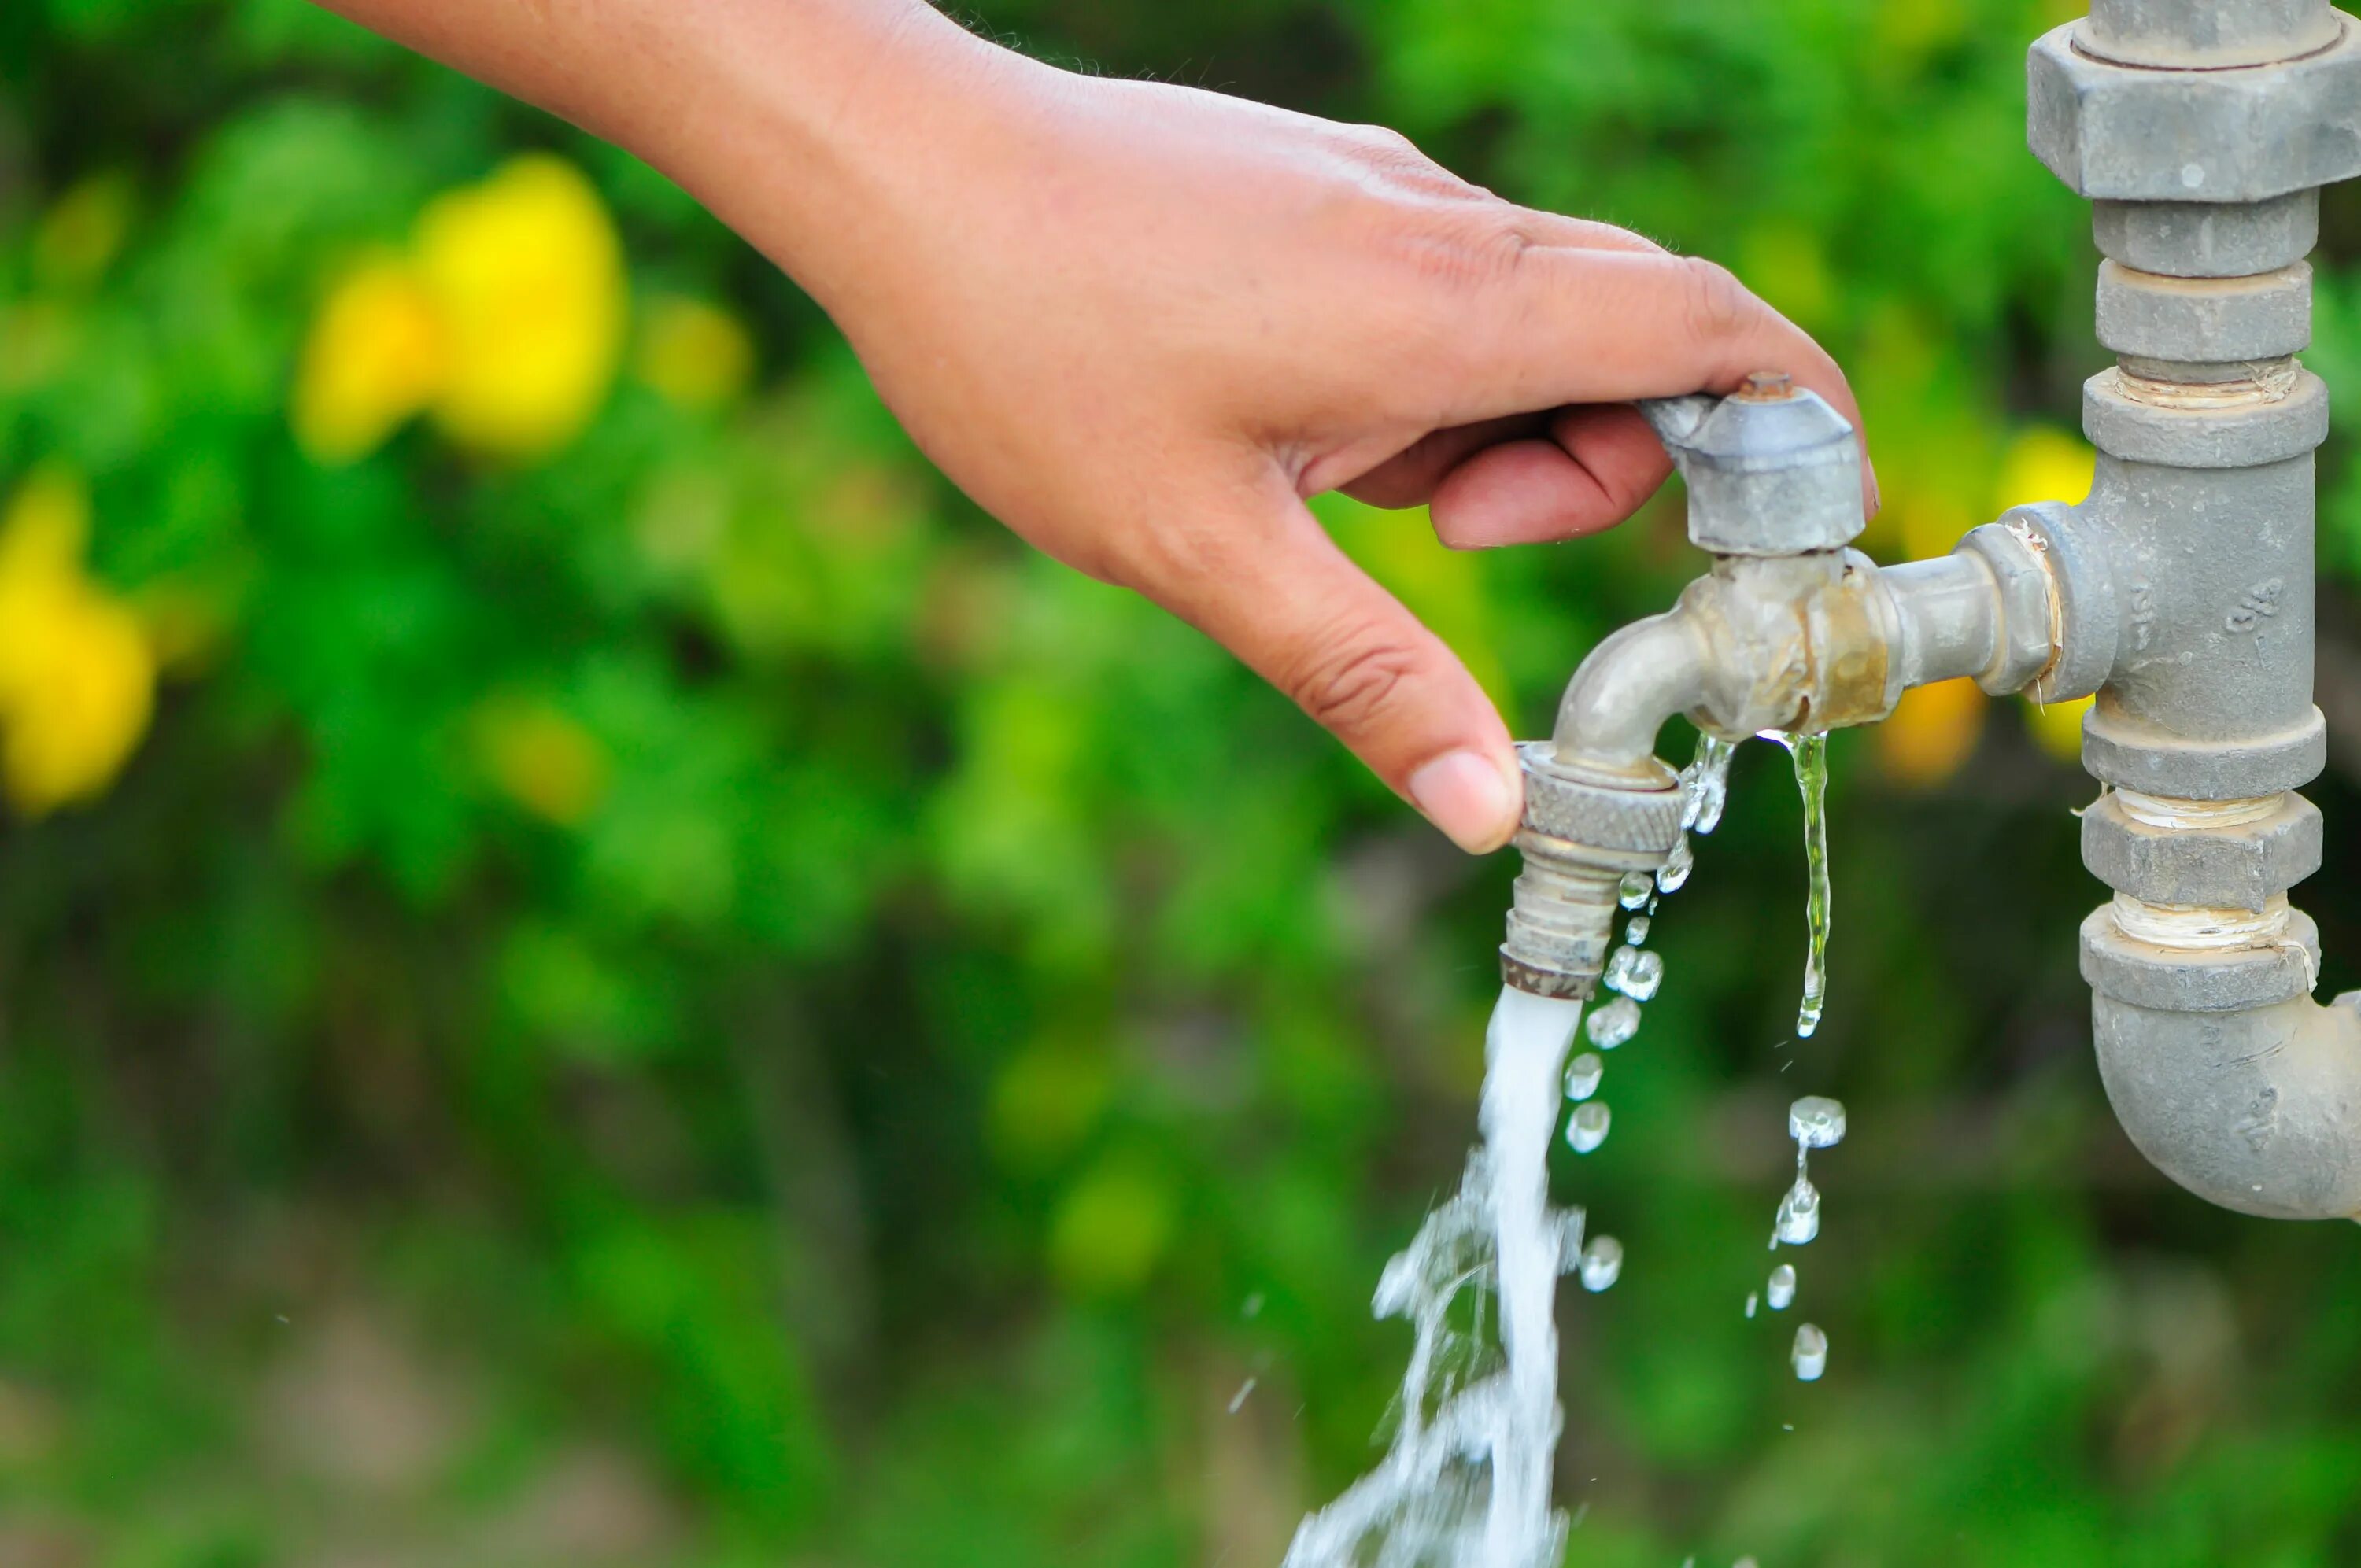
(1578, 840)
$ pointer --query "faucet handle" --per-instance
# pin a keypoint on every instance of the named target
(1772, 469)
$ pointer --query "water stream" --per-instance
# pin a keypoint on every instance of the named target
(1811, 756)
(1465, 1481)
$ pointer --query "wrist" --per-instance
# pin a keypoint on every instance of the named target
(820, 129)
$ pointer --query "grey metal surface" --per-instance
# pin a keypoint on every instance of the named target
(2197, 426)
(1788, 631)
(2085, 623)
(2205, 34)
(1562, 805)
(2120, 750)
(1618, 700)
(2127, 133)
(2191, 567)
(2239, 866)
(2212, 574)
(2171, 980)
(2218, 320)
(1770, 470)
(2203, 239)
(2250, 1110)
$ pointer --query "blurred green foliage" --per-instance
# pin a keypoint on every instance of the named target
(678, 997)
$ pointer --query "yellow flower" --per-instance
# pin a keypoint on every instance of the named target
(695, 352)
(1932, 732)
(527, 276)
(77, 678)
(2044, 464)
(541, 758)
(2058, 727)
(376, 356)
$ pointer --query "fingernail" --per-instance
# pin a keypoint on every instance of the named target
(1468, 796)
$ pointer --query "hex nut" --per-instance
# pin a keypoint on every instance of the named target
(2085, 629)
(2201, 239)
(2208, 320)
(2219, 868)
(2125, 133)
(2023, 648)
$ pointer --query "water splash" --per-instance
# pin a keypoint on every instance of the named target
(1811, 756)
(1613, 1025)
(1466, 1481)
(1635, 972)
(1815, 1122)
(1810, 1355)
(1602, 1264)
(1586, 1128)
(1674, 876)
(1798, 1218)
(1706, 783)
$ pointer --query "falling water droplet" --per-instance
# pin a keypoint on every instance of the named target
(1781, 1291)
(1582, 1076)
(1811, 755)
(1602, 1260)
(1816, 1122)
(1586, 1128)
(1752, 1300)
(1610, 1025)
(1635, 890)
(1635, 930)
(1676, 868)
(1811, 1352)
(1635, 972)
(1800, 1215)
(1705, 783)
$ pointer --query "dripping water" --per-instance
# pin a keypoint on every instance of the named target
(1811, 757)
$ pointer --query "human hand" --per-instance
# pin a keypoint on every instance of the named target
(1141, 323)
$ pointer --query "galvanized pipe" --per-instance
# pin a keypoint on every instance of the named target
(2202, 129)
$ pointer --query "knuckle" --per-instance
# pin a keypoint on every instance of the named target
(1715, 305)
(1348, 685)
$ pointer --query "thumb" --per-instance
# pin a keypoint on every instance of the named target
(1268, 584)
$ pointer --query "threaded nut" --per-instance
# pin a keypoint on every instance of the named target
(2239, 866)
(1597, 815)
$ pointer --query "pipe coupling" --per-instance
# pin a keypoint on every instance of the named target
(1578, 840)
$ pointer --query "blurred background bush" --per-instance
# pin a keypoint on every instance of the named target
(594, 967)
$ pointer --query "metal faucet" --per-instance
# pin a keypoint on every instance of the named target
(2180, 592)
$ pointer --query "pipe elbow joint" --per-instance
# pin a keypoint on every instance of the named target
(2225, 1073)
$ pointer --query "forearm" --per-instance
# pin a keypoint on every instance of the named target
(793, 119)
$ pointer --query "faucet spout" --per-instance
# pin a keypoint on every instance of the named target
(1621, 694)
